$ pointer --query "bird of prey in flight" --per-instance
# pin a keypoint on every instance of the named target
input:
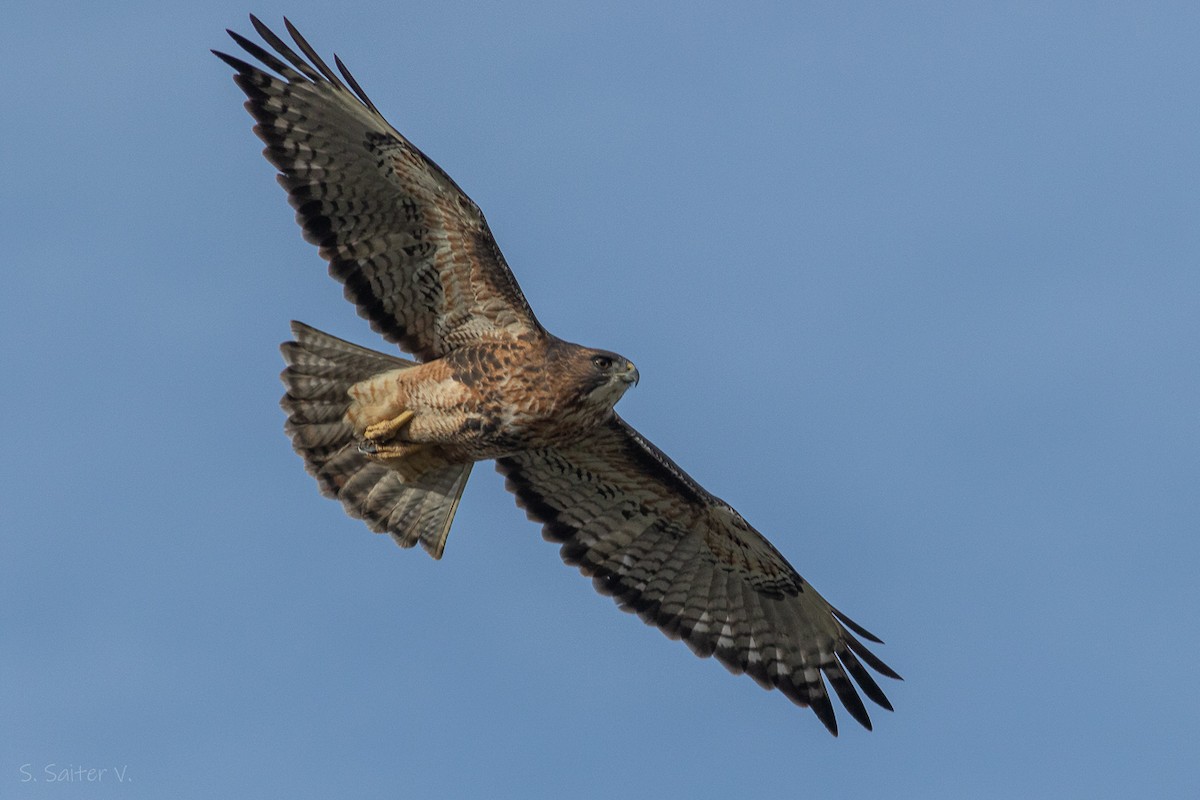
(394, 439)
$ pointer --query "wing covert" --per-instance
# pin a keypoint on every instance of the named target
(685, 561)
(413, 252)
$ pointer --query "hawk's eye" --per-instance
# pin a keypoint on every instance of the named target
(602, 362)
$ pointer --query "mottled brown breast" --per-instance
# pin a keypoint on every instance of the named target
(488, 400)
(526, 395)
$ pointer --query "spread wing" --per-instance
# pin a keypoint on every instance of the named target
(685, 561)
(413, 251)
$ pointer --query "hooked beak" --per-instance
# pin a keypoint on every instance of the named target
(631, 374)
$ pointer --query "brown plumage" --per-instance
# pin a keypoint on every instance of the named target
(394, 440)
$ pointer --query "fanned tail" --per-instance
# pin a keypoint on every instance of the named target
(320, 370)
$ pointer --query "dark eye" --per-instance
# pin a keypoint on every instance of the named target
(602, 362)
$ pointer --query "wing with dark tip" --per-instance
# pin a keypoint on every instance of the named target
(413, 251)
(685, 561)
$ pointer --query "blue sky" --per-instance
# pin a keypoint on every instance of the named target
(914, 287)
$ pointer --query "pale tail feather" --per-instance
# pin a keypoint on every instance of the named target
(320, 370)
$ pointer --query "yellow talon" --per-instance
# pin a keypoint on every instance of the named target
(388, 428)
(392, 452)
(410, 460)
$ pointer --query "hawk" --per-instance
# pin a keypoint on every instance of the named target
(394, 440)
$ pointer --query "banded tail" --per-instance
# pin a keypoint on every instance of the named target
(320, 371)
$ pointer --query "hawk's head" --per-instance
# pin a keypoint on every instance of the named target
(598, 377)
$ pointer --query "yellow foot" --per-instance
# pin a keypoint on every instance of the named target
(381, 442)
(391, 452)
(410, 460)
(388, 428)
